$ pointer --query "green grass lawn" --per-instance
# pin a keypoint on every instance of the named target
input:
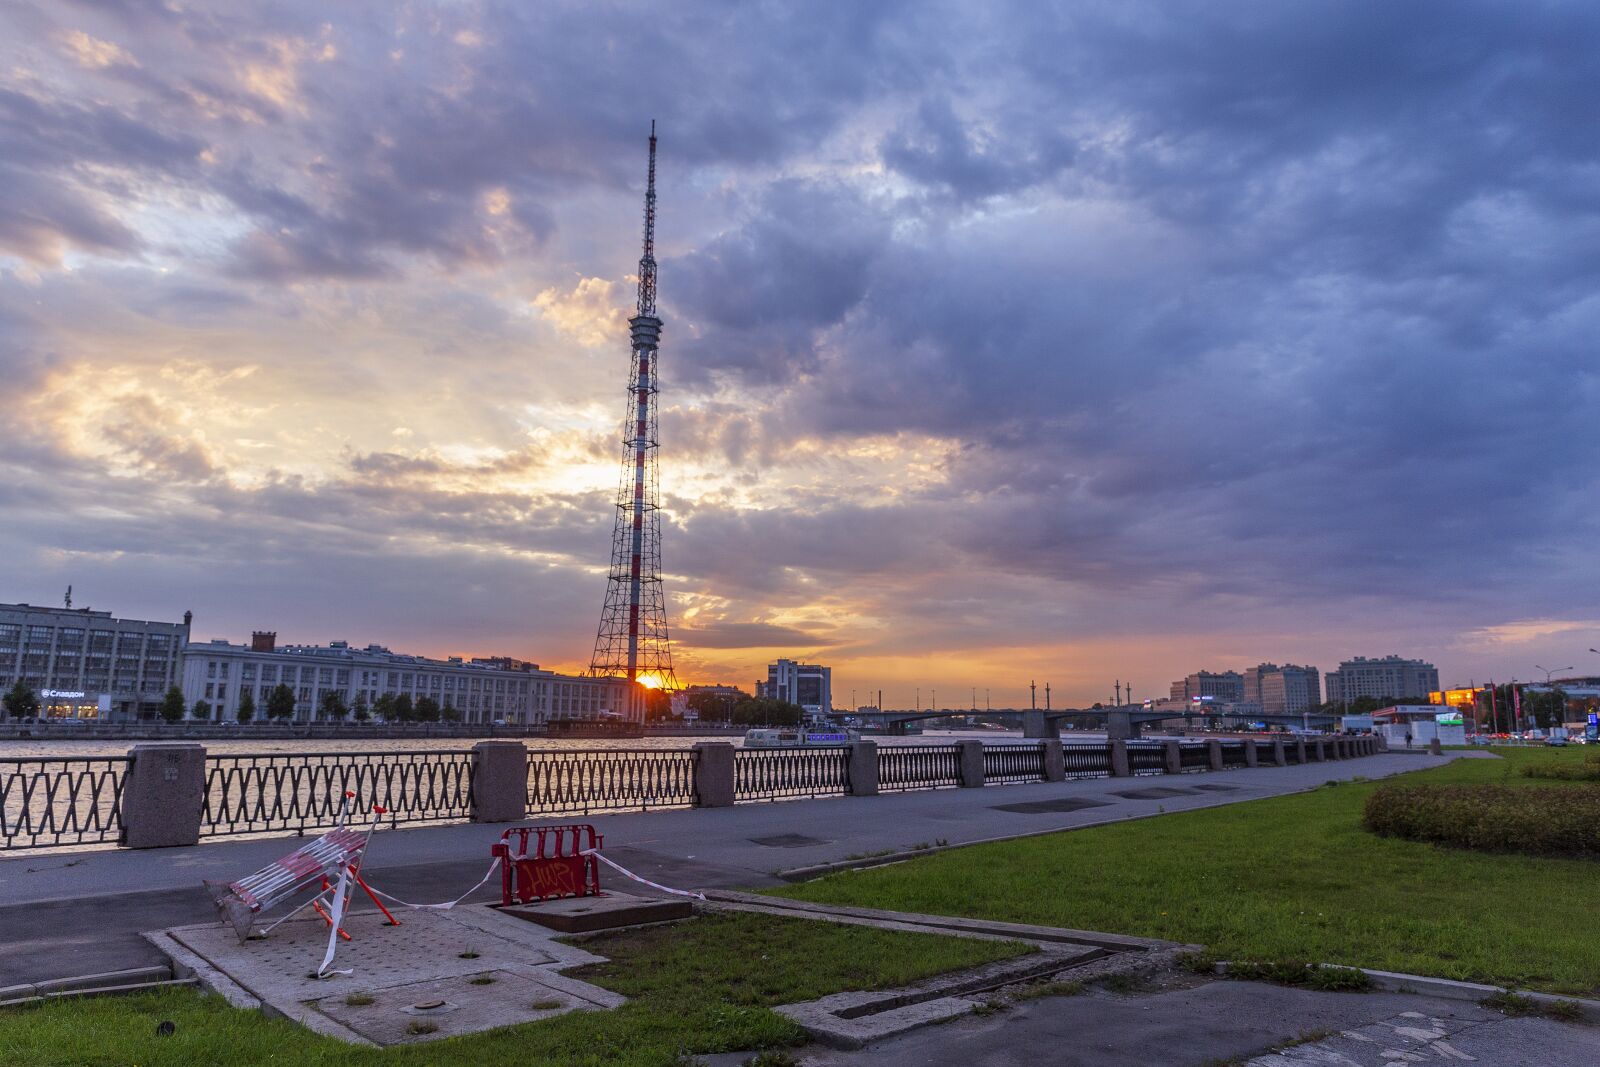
(701, 986)
(1289, 878)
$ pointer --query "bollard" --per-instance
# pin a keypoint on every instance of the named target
(1119, 759)
(1055, 761)
(1174, 755)
(971, 764)
(1214, 753)
(863, 768)
(713, 774)
(1251, 759)
(163, 795)
(499, 781)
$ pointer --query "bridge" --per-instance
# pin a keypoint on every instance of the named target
(1124, 722)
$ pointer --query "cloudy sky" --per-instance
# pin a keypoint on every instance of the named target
(1003, 341)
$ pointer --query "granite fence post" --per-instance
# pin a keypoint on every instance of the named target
(971, 764)
(499, 781)
(863, 768)
(1119, 759)
(714, 782)
(163, 795)
(1055, 761)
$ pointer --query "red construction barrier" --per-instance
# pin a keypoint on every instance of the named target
(547, 862)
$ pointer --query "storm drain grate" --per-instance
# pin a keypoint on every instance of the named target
(1159, 793)
(787, 841)
(1046, 807)
(1218, 788)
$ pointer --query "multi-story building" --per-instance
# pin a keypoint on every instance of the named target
(491, 689)
(805, 684)
(1389, 678)
(85, 664)
(1286, 690)
(1226, 687)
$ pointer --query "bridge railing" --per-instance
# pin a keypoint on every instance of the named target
(1013, 763)
(776, 773)
(47, 802)
(1194, 758)
(1233, 754)
(918, 767)
(610, 779)
(1146, 757)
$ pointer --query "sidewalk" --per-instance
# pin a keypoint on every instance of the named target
(71, 913)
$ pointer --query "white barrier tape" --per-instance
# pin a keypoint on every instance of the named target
(440, 907)
(642, 881)
(336, 916)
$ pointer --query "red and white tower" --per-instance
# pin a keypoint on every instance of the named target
(632, 640)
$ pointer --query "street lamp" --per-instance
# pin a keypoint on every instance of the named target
(1548, 671)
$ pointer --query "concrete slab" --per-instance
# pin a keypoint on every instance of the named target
(609, 911)
(485, 970)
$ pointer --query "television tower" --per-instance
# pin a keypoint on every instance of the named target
(632, 640)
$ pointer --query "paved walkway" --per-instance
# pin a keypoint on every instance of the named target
(73, 913)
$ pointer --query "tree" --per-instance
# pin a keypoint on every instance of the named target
(383, 707)
(280, 702)
(360, 710)
(333, 705)
(201, 709)
(761, 711)
(449, 713)
(403, 709)
(172, 706)
(427, 709)
(715, 707)
(247, 706)
(657, 705)
(20, 701)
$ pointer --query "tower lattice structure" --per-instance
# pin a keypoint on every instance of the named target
(632, 641)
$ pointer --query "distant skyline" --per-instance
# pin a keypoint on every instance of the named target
(1067, 342)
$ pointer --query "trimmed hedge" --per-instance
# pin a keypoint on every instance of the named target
(1565, 770)
(1542, 820)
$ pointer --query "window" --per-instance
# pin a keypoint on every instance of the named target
(211, 668)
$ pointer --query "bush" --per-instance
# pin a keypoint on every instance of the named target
(1565, 770)
(1542, 820)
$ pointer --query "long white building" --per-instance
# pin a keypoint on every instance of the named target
(495, 689)
(85, 664)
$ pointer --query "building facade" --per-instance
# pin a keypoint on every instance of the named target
(1286, 690)
(1226, 687)
(487, 690)
(85, 664)
(1389, 678)
(806, 684)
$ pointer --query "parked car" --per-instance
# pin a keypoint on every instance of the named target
(1556, 742)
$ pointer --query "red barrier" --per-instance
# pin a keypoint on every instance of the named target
(553, 867)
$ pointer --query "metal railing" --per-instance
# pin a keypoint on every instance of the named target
(1086, 759)
(1146, 758)
(918, 767)
(1194, 758)
(771, 773)
(300, 792)
(1291, 752)
(1233, 754)
(610, 779)
(48, 802)
(1013, 763)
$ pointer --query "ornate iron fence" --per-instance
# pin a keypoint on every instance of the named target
(1146, 758)
(48, 802)
(770, 773)
(610, 779)
(303, 791)
(1086, 759)
(1291, 752)
(1233, 754)
(1194, 758)
(1013, 763)
(918, 766)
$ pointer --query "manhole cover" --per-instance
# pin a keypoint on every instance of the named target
(1046, 807)
(1218, 788)
(788, 841)
(1158, 793)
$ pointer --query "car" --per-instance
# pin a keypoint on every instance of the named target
(1556, 742)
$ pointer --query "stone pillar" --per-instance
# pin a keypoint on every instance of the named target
(713, 774)
(863, 768)
(499, 781)
(1055, 761)
(1119, 759)
(971, 764)
(163, 794)
(1279, 757)
(1319, 749)
(1174, 754)
(1250, 757)
(1120, 726)
(1036, 726)
(1300, 750)
(1214, 753)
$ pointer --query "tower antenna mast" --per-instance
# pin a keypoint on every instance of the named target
(632, 640)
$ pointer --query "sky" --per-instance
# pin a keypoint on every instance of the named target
(1004, 342)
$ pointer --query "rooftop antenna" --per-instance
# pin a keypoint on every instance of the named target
(69, 598)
